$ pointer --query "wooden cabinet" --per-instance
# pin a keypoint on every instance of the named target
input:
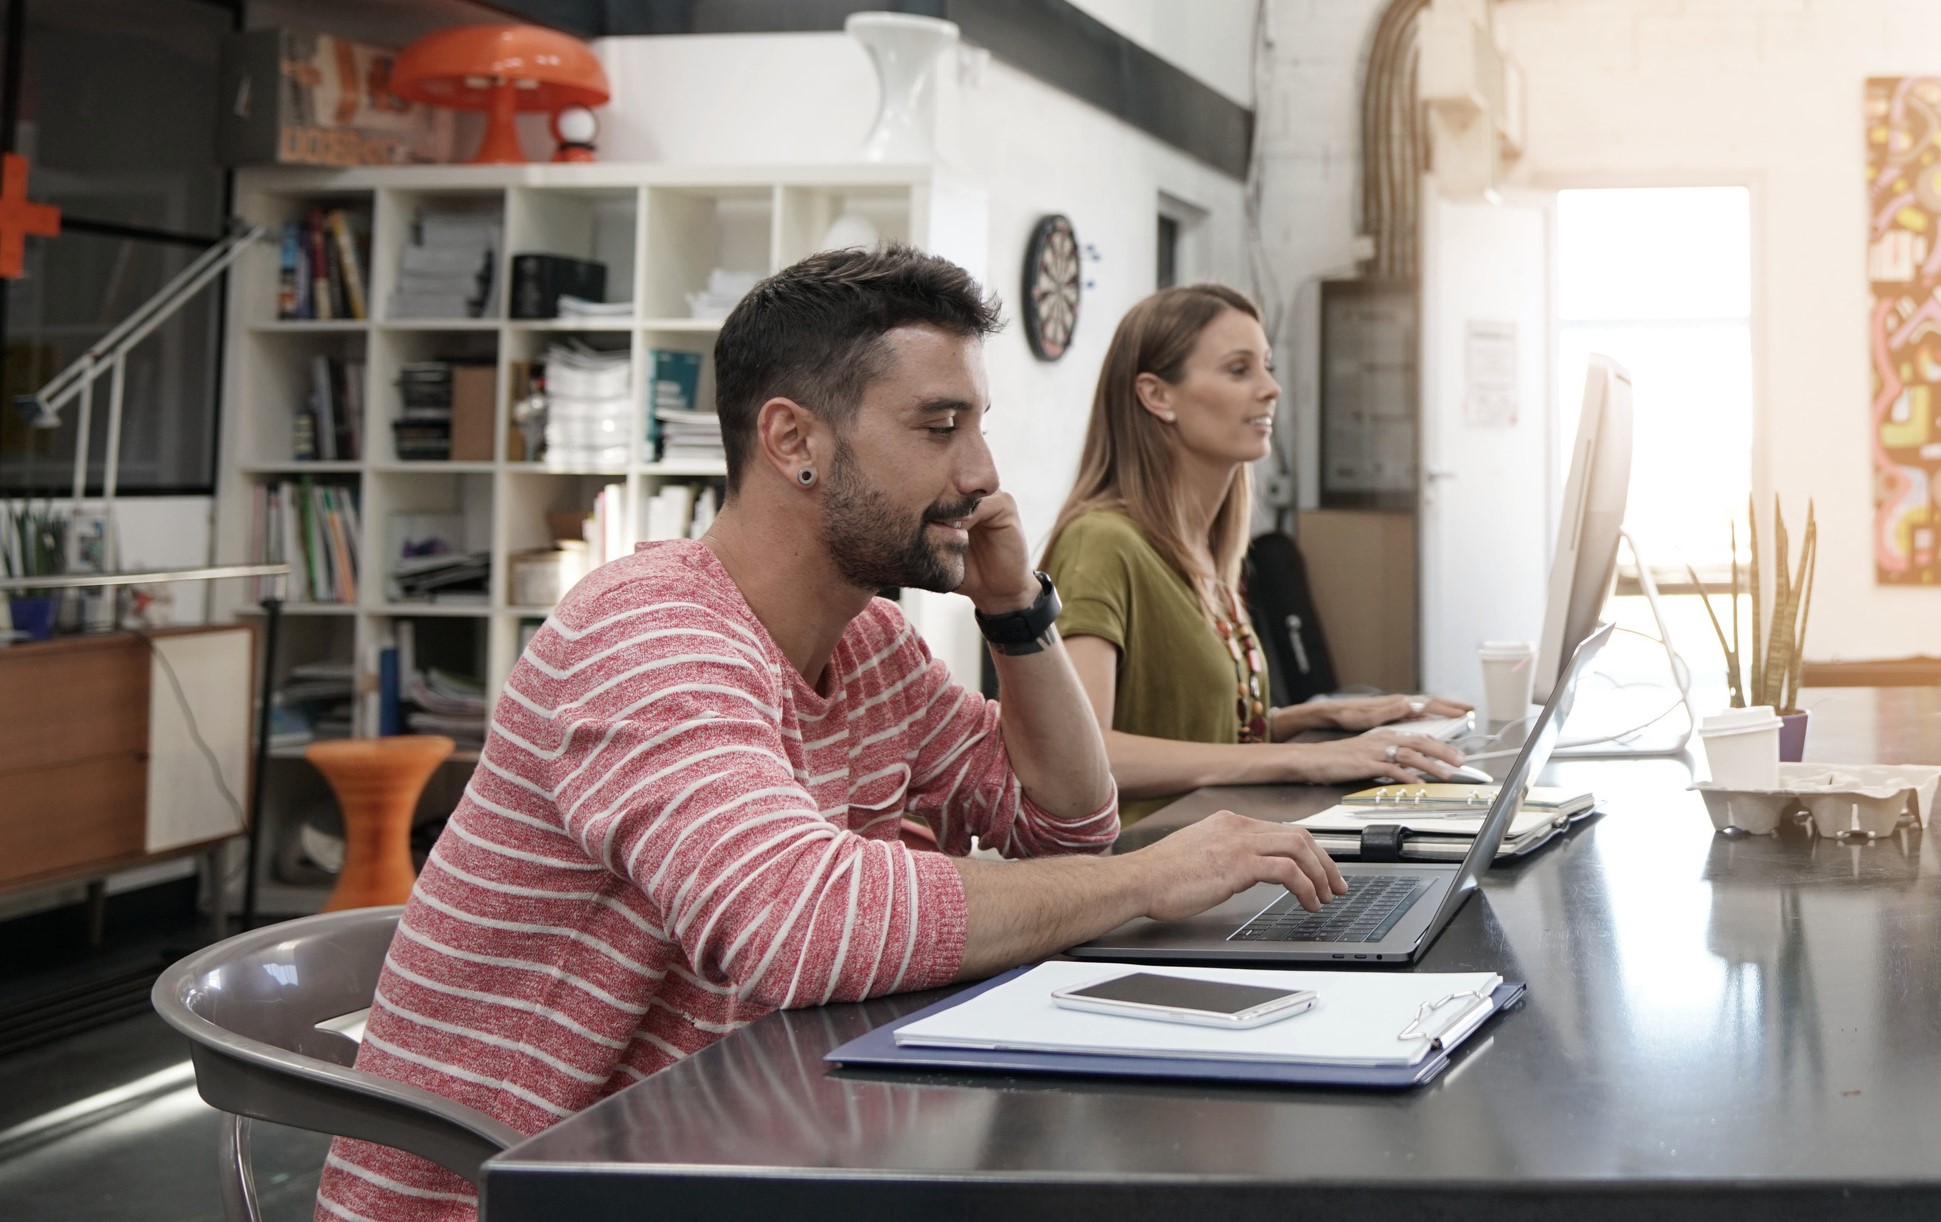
(100, 767)
(1361, 568)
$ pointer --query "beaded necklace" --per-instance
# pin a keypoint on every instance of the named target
(1249, 672)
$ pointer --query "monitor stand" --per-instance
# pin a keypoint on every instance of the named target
(1596, 727)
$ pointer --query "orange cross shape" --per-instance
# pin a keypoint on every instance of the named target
(18, 217)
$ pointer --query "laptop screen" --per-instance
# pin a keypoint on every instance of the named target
(1523, 772)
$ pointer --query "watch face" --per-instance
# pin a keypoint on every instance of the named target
(1051, 287)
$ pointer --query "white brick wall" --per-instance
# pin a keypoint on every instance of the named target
(1654, 92)
(1310, 106)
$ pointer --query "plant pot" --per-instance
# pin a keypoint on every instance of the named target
(35, 616)
(1792, 736)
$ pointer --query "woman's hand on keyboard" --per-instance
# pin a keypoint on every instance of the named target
(1366, 712)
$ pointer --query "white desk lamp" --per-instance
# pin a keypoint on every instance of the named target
(110, 356)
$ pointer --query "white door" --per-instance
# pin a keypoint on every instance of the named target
(1486, 455)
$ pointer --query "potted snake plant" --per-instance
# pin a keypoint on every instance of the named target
(34, 545)
(1770, 673)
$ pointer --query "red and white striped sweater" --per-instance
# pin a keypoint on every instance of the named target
(670, 834)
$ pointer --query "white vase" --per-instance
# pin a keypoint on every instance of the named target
(904, 49)
(850, 231)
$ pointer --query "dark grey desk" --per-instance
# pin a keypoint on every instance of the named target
(1716, 1028)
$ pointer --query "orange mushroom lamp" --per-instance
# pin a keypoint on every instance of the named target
(501, 70)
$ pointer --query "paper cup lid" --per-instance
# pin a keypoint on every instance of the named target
(1506, 650)
(1740, 721)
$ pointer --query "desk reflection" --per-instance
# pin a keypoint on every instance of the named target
(1706, 1014)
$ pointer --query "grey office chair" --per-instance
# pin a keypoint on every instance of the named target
(251, 1006)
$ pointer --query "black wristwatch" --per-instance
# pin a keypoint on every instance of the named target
(1021, 632)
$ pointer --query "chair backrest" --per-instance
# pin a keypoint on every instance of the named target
(1282, 606)
(250, 1006)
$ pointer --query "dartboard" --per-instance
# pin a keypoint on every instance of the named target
(1051, 285)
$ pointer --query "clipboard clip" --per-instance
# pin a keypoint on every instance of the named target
(1417, 1030)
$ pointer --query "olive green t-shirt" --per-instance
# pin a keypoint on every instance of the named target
(1176, 678)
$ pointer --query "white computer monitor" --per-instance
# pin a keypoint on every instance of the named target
(1585, 564)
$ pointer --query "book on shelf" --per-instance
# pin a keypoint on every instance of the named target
(330, 425)
(473, 410)
(314, 529)
(605, 529)
(670, 512)
(320, 273)
(350, 278)
(539, 281)
(675, 416)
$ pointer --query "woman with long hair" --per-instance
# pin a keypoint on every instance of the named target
(1147, 553)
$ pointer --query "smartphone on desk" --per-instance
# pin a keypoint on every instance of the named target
(1184, 999)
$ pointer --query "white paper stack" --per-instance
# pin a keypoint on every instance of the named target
(588, 406)
(725, 289)
(580, 307)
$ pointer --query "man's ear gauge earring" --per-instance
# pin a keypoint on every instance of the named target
(805, 477)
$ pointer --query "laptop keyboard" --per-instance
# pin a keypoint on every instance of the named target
(1370, 909)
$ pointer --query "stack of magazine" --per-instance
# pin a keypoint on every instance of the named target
(430, 562)
(423, 428)
(447, 271)
(447, 704)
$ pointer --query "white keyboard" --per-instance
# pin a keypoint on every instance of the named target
(1443, 729)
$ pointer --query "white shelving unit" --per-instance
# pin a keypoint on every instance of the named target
(660, 230)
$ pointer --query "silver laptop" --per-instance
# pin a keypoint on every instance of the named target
(1392, 911)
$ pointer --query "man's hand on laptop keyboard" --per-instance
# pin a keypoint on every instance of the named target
(1209, 862)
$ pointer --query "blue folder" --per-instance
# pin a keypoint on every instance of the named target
(878, 1049)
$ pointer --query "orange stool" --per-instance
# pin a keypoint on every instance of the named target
(377, 782)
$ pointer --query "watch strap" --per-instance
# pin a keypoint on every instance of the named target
(1023, 632)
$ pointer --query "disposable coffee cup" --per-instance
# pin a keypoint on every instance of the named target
(1509, 668)
(1742, 747)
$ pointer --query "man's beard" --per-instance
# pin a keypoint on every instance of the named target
(875, 547)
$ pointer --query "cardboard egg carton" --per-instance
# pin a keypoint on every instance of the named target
(1842, 799)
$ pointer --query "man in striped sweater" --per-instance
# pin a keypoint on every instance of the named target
(686, 812)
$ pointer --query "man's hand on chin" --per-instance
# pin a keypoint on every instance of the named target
(997, 565)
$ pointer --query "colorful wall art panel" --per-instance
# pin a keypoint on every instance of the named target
(1904, 324)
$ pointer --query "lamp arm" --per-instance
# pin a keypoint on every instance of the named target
(65, 385)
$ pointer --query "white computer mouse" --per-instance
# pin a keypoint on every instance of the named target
(1466, 775)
